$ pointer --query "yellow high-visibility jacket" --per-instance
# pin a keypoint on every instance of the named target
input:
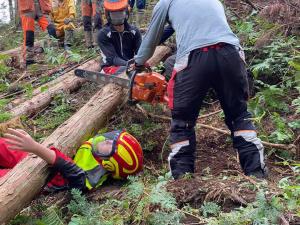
(84, 159)
(62, 9)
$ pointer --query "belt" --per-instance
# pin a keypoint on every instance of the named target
(215, 46)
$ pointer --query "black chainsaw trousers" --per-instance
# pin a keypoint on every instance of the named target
(219, 67)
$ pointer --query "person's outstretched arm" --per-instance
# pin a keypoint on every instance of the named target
(18, 139)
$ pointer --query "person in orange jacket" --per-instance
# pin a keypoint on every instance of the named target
(63, 15)
(30, 11)
(89, 9)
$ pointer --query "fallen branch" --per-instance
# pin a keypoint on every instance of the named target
(289, 147)
(210, 114)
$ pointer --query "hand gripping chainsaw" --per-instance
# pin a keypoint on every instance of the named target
(147, 86)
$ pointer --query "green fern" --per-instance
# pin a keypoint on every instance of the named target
(135, 188)
(51, 218)
(282, 134)
(159, 196)
(159, 218)
(79, 205)
(210, 208)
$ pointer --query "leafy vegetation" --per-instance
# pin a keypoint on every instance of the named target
(274, 60)
(265, 210)
(60, 111)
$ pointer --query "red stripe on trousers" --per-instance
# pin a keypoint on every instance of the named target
(170, 89)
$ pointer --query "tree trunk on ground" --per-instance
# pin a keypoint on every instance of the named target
(16, 52)
(67, 83)
(46, 86)
(27, 178)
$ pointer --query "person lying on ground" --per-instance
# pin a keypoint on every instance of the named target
(63, 15)
(118, 40)
(117, 154)
(30, 11)
(208, 56)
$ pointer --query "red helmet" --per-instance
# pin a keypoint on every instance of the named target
(126, 157)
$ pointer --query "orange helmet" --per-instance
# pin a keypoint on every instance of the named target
(126, 157)
(115, 5)
(116, 11)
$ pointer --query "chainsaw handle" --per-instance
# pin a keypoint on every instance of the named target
(130, 68)
(132, 77)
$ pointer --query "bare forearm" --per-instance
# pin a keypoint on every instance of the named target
(45, 153)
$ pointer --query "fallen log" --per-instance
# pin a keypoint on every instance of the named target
(26, 179)
(67, 73)
(66, 84)
(22, 183)
(17, 51)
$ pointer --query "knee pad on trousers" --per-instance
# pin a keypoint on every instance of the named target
(181, 130)
(51, 30)
(251, 152)
(87, 23)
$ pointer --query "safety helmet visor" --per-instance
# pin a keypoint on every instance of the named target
(104, 145)
(117, 17)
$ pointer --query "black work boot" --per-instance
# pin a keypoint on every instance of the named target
(251, 153)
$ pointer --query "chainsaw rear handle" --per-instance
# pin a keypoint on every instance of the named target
(132, 77)
(131, 73)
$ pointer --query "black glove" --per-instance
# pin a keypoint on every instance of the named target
(141, 68)
(71, 172)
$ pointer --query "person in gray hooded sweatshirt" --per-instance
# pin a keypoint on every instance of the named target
(208, 56)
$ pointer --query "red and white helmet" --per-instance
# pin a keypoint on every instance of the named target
(126, 157)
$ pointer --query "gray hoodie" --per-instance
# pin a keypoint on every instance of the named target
(197, 23)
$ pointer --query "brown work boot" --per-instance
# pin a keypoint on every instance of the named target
(38, 50)
(69, 36)
(95, 37)
(88, 36)
(29, 55)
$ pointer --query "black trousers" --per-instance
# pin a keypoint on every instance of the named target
(221, 68)
(88, 25)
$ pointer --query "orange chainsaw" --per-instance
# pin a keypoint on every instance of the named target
(147, 86)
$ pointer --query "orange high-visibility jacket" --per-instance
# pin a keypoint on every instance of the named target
(28, 6)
